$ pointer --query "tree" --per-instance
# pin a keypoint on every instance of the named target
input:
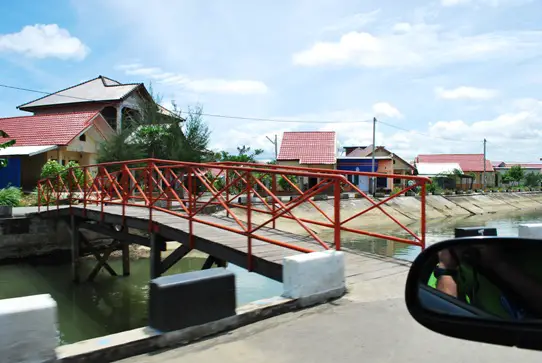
(516, 173)
(151, 132)
(4, 145)
(244, 155)
(533, 179)
(195, 138)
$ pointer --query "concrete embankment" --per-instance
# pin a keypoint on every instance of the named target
(407, 210)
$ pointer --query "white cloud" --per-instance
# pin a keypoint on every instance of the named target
(206, 85)
(454, 2)
(402, 28)
(494, 3)
(417, 45)
(384, 109)
(44, 41)
(355, 21)
(464, 92)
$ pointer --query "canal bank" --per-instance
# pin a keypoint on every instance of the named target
(407, 210)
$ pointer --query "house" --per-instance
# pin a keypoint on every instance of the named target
(312, 149)
(471, 164)
(502, 168)
(65, 137)
(69, 125)
(116, 101)
(359, 158)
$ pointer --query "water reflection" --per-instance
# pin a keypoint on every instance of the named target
(437, 230)
(110, 304)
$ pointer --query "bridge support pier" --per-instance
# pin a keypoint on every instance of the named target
(159, 266)
(76, 243)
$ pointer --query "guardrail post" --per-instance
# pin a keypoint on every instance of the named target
(190, 208)
(227, 192)
(423, 226)
(85, 191)
(150, 189)
(337, 214)
(249, 220)
(274, 191)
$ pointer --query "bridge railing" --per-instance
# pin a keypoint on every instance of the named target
(253, 196)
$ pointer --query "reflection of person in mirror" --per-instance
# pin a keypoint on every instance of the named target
(508, 285)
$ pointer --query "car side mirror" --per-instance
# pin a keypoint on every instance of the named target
(485, 289)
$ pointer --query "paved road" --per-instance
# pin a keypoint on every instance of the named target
(370, 325)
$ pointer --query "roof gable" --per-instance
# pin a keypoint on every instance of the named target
(468, 162)
(99, 89)
(49, 129)
(311, 147)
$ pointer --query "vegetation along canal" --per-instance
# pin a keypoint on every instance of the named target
(113, 304)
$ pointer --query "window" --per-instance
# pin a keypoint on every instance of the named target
(63, 162)
(83, 137)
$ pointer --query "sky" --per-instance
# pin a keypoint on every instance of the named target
(439, 76)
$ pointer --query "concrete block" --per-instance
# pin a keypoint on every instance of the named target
(530, 231)
(29, 331)
(191, 298)
(320, 197)
(345, 196)
(314, 277)
(474, 232)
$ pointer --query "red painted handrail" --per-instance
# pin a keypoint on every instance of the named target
(158, 184)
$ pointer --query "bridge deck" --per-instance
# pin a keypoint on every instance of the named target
(229, 246)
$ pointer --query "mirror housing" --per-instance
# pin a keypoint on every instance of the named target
(449, 316)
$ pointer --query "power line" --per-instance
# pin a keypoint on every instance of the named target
(426, 135)
(204, 114)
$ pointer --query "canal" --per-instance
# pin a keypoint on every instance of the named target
(114, 304)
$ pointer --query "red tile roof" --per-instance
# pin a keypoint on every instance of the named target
(49, 129)
(467, 162)
(311, 147)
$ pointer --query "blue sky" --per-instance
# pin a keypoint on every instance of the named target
(444, 73)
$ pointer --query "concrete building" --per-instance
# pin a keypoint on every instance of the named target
(471, 164)
(359, 158)
(116, 101)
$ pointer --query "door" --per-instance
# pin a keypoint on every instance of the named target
(363, 184)
(11, 174)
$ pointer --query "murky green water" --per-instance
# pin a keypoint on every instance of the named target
(113, 304)
(110, 304)
(439, 230)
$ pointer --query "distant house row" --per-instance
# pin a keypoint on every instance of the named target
(318, 149)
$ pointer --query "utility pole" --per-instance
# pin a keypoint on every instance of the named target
(484, 180)
(373, 179)
(275, 142)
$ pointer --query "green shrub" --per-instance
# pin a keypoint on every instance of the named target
(10, 196)
(284, 185)
(431, 188)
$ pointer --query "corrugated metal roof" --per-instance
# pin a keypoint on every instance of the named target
(99, 89)
(26, 150)
(468, 162)
(43, 130)
(433, 169)
(309, 147)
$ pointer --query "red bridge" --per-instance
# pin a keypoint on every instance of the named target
(252, 215)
